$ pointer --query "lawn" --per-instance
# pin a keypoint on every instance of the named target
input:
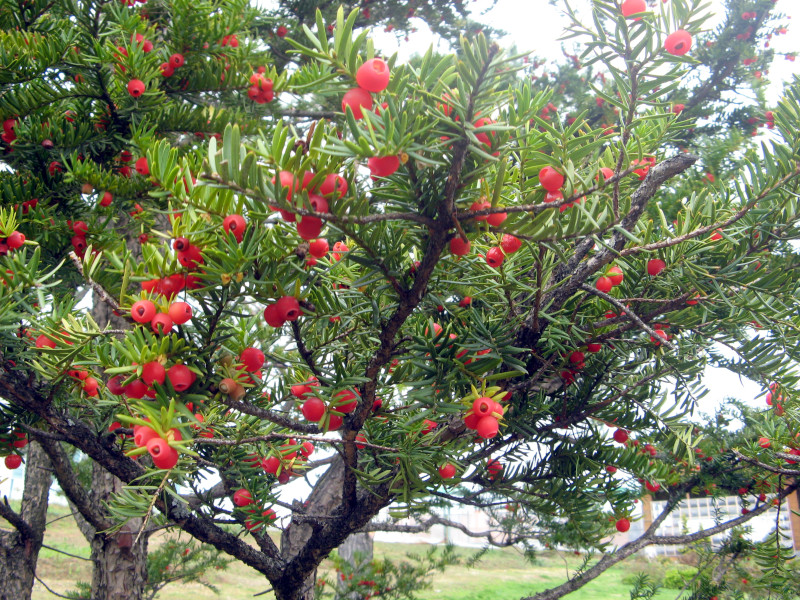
(501, 574)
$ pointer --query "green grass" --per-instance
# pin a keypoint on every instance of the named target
(501, 574)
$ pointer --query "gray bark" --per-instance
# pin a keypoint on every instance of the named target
(19, 548)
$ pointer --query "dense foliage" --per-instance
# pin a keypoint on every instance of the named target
(466, 287)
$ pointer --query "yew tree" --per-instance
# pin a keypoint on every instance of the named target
(447, 290)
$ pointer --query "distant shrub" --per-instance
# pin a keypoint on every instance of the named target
(675, 579)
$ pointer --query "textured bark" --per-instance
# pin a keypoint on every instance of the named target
(19, 550)
(120, 567)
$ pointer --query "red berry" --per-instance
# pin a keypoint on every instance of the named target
(281, 31)
(115, 386)
(459, 247)
(161, 324)
(15, 240)
(383, 166)
(630, 7)
(550, 179)
(271, 464)
(345, 402)
(496, 219)
(80, 228)
(678, 42)
(79, 243)
(483, 406)
(487, 427)
(154, 372)
(143, 434)
(313, 409)
(164, 455)
(143, 311)
(593, 348)
(494, 257)
(106, 199)
(176, 60)
(167, 70)
(135, 88)
(333, 184)
(357, 99)
(615, 275)
(44, 342)
(180, 312)
(272, 316)
(620, 436)
(252, 359)
(288, 308)
(242, 497)
(141, 166)
(136, 389)
(655, 266)
(447, 471)
(235, 225)
(373, 75)
(623, 525)
(510, 244)
(318, 248)
(309, 228)
(180, 377)
(13, 461)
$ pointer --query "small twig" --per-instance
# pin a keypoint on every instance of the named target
(67, 553)
(152, 505)
(629, 313)
(99, 289)
(286, 436)
(52, 591)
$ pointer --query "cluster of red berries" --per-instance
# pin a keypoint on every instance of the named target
(644, 166)
(144, 311)
(251, 360)
(12, 242)
(242, 498)
(613, 277)
(372, 76)
(484, 417)
(333, 187)
(175, 61)
(10, 442)
(170, 285)
(230, 40)
(660, 336)
(188, 254)
(88, 384)
(180, 376)
(315, 410)
(260, 90)
(164, 456)
(284, 309)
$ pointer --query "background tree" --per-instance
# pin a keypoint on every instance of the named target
(356, 337)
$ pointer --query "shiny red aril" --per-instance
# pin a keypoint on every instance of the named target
(459, 247)
(13, 461)
(164, 456)
(307, 449)
(242, 497)
(623, 525)
(161, 324)
(594, 347)
(288, 308)
(494, 257)
(496, 219)
(318, 203)
(273, 316)
(333, 184)
(154, 372)
(135, 88)
(15, 240)
(383, 166)
(631, 7)
(235, 225)
(180, 312)
(357, 99)
(252, 359)
(482, 406)
(510, 243)
(488, 427)
(143, 434)
(373, 75)
(181, 377)
(318, 248)
(115, 386)
(345, 402)
(136, 389)
(143, 311)
(678, 43)
(271, 464)
(313, 409)
(620, 436)
(550, 179)
(615, 275)
(141, 166)
(309, 227)
(334, 422)
(655, 266)
(45, 342)
(176, 60)
(447, 471)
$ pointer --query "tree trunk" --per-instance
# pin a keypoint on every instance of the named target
(18, 552)
(120, 567)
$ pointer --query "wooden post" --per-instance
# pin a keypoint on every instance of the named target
(794, 518)
(647, 511)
